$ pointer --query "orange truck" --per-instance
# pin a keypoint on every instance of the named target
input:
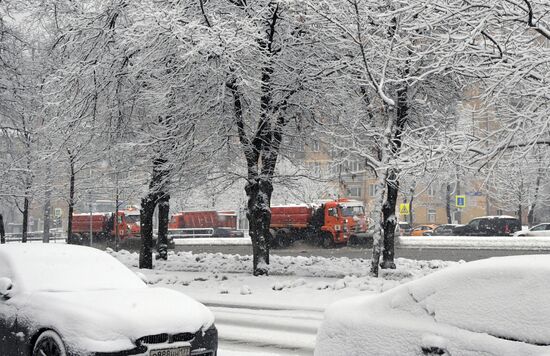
(207, 223)
(330, 223)
(132, 216)
(101, 227)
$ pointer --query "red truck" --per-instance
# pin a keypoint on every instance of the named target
(132, 216)
(330, 223)
(102, 227)
(209, 223)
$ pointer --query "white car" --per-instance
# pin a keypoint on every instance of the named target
(64, 300)
(537, 230)
(498, 306)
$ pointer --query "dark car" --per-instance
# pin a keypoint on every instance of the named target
(445, 230)
(63, 300)
(489, 226)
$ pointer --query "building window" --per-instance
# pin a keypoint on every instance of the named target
(432, 215)
(315, 146)
(373, 189)
(431, 191)
(355, 192)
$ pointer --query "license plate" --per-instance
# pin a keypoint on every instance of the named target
(175, 351)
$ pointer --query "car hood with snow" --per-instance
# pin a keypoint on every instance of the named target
(497, 306)
(111, 320)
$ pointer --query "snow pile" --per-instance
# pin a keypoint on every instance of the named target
(332, 267)
(496, 306)
(287, 273)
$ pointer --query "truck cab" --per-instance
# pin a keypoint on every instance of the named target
(336, 226)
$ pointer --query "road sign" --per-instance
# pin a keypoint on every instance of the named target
(57, 212)
(460, 201)
(404, 209)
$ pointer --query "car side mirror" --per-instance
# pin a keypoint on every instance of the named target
(6, 287)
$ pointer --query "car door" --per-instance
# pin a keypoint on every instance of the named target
(472, 228)
(539, 230)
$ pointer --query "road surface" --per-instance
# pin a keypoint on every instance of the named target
(302, 249)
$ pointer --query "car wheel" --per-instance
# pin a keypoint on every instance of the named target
(49, 343)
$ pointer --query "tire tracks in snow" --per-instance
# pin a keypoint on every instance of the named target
(290, 330)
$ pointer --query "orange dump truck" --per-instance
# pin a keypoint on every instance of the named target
(208, 223)
(100, 226)
(330, 223)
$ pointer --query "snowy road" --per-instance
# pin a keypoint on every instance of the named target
(266, 330)
(416, 253)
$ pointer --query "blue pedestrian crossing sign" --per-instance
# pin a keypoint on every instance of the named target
(460, 201)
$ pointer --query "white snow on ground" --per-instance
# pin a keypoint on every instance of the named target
(477, 242)
(280, 312)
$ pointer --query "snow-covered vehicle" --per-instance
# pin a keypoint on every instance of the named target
(537, 230)
(498, 306)
(63, 300)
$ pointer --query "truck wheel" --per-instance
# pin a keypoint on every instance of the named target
(282, 239)
(326, 240)
(353, 241)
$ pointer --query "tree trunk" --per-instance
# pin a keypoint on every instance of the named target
(146, 220)
(25, 227)
(163, 219)
(47, 206)
(71, 206)
(259, 217)
(388, 211)
(2, 231)
(47, 214)
(411, 209)
(520, 214)
(157, 191)
(448, 204)
(531, 213)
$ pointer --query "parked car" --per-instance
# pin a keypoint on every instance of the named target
(64, 300)
(403, 228)
(537, 230)
(489, 226)
(423, 230)
(498, 306)
(444, 230)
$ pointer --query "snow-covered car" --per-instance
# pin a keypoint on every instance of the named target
(63, 300)
(537, 230)
(498, 306)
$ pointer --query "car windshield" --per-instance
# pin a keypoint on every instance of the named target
(131, 219)
(67, 268)
(351, 210)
